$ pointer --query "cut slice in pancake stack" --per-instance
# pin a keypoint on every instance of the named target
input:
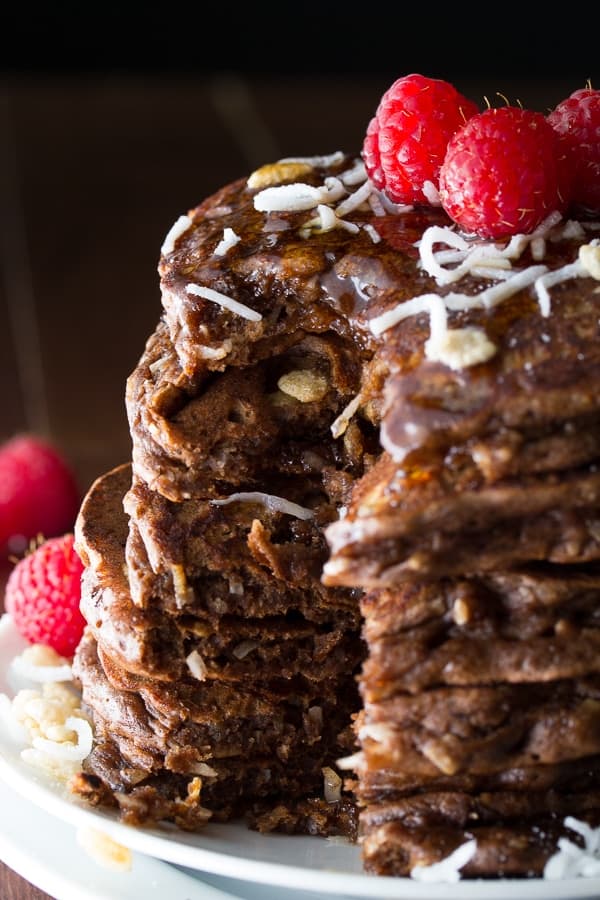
(201, 662)
(321, 412)
(220, 673)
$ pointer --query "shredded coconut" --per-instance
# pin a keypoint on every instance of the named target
(391, 207)
(589, 257)
(351, 762)
(327, 220)
(288, 197)
(355, 200)
(492, 296)
(40, 663)
(270, 501)
(204, 770)
(456, 348)
(572, 230)
(460, 348)
(571, 860)
(71, 751)
(52, 725)
(377, 731)
(15, 730)
(425, 303)
(448, 869)
(339, 425)
(372, 232)
(356, 175)
(229, 240)
(196, 665)
(223, 300)
(104, 850)
(175, 232)
(538, 248)
(549, 279)
(376, 204)
(298, 196)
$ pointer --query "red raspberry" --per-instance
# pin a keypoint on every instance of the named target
(43, 593)
(503, 173)
(577, 121)
(38, 493)
(407, 139)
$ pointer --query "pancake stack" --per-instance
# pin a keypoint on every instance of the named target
(477, 538)
(313, 443)
(220, 673)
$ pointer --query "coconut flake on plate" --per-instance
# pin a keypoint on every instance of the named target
(572, 860)
(66, 748)
(40, 663)
(447, 870)
(105, 851)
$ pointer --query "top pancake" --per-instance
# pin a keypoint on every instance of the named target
(509, 412)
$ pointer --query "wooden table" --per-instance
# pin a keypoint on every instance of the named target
(92, 174)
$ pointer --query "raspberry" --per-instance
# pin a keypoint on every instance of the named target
(43, 594)
(407, 139)
(503, 173)
(577, 121)
(38, 493)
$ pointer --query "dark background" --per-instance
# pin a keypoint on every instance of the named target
(453, 40)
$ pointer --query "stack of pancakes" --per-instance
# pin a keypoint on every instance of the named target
(288, 457)
(214, 653)
(477, 538)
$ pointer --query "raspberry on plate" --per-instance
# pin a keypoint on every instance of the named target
(577, 121)
(38, 492)
(504, 173)
(407, 138)
(43, 594)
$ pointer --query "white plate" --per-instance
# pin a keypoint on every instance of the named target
(46, 853)
(295, 863)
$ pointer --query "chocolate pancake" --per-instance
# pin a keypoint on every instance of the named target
(244, 744)
(237, 555)
(444, 521)
(154, 640)
(332, 402)
(239, 427)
